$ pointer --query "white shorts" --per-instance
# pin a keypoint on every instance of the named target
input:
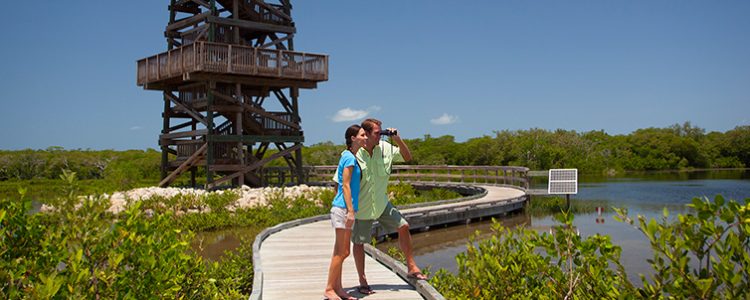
(338, 217)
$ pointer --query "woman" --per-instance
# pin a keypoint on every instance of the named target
(344, 207)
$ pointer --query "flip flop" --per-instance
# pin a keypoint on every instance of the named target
(348, 297)
(365, 290)
(417, 276)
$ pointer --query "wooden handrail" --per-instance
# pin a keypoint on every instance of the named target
(232, 59)
(507, 175)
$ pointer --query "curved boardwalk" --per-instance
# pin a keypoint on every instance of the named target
(295, 260)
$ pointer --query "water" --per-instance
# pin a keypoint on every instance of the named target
(645, 194)
(213, 245)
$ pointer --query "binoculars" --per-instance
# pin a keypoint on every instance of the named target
(388, 132)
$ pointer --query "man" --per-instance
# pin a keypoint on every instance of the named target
(376, 159)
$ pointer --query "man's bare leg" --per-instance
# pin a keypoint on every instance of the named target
(404, 241)
(358, 251)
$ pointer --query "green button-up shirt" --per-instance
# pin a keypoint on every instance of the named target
(373, 189)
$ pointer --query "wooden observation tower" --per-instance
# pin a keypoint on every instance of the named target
(225, 60)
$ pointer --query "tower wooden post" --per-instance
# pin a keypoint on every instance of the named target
(225, 58)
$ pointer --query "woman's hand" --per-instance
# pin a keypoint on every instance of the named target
(349, 219)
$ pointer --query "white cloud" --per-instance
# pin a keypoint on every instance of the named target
(373, 108)
(348, 114)
(445, 119)
(136, 128)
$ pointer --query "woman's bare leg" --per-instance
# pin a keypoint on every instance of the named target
(340, 252)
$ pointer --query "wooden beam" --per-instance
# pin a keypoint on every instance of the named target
(199, 2)
(186, 142)
(165, 129)
(289, 158)
(188, 163)
(251, 125)
(189, 21)
(261, 150)
(276, 40)
(225, 168)
(179, 126)
(284, 101)
(177, 115)
(182, 134)
(257, 110)
(247, 80)
(255, 165)
(182, 34)
(274, 10)
(186, 9)
(248, 92)
(260, 100)
(202, 3)
(257, 138)
(227, 108)
(251, 25)
(198, 117)
(188, 87)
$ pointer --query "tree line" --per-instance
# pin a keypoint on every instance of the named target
(675, 147)
(87, 164)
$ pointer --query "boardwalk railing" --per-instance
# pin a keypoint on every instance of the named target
(232, 59)
(505, 175)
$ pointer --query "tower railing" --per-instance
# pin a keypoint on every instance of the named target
(232, 59)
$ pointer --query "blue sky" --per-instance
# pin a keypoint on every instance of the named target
(462, 68)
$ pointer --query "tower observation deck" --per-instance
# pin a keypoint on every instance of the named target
(225, 60)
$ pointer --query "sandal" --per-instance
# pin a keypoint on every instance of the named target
(365, 290)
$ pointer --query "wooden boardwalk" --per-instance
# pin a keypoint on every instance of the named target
(295, 260)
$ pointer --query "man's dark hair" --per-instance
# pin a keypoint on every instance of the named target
(369, 124)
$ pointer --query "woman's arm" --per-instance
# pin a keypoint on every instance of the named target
(347, 189)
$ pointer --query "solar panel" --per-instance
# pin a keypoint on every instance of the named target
(563, 181)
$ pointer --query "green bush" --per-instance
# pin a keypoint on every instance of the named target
(84, 252)
(522, 264)
(716, 234)
(80, 250)
(703, 254)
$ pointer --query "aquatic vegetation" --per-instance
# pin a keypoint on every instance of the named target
(524, 264)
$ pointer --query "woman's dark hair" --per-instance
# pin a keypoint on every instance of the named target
(351, 131)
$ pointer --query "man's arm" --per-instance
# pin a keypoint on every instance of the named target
(403, 149)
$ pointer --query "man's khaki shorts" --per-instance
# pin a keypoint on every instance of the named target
(391, 219)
